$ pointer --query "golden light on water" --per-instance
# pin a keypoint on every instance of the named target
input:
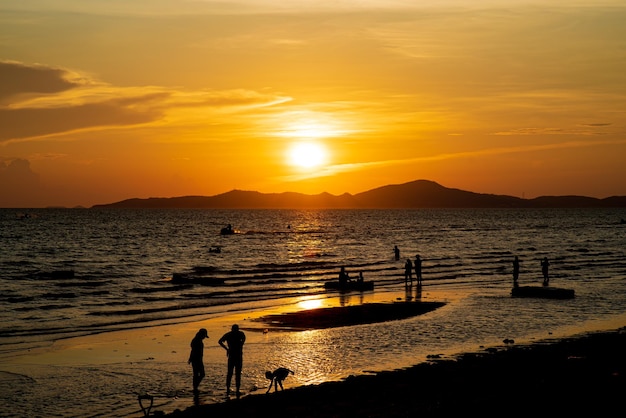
(310, 304)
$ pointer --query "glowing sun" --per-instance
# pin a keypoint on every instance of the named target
(307, 155)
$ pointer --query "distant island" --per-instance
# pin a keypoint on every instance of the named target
(412, 195)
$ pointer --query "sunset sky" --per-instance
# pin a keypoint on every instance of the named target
(104, 100)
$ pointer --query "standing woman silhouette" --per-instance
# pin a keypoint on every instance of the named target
(195, 358)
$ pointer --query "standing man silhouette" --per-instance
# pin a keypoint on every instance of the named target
(233, 342)
(418, 269)
(545, 264)
(195, 358)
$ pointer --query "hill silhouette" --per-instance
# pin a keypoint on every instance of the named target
(412, 195)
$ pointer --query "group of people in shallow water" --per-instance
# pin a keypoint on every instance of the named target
(408, 270)
(417, 265)
(344, 277)
(545, 266)
(232, 342)
(409, 266)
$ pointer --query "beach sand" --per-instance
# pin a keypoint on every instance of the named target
(582, 374)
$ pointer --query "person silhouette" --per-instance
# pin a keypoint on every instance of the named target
(195, 358)
(408, 267)
(233, 342)
(515, 270)
(418, 269)
(277, 377)
(545, 264)
(343, 276)
(396, 252)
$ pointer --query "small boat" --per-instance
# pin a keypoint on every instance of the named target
(227, 230)
(545, 292)
(349, 285)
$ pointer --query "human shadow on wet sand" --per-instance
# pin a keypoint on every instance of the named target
(367, 313)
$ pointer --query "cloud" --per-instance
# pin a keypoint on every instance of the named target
(17, 170)
(23, 123)
(19, 184)
(37, 101)
(358, 167)
(19, 79)
(554, 131)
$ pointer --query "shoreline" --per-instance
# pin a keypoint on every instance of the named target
(582, 373)
(164, 347)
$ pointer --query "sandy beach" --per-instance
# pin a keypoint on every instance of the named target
(584, 373)
(565, 375)
(578, 375)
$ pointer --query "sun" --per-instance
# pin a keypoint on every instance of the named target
(307, 155)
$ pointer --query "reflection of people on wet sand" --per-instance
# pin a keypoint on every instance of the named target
(418, 269)
(408, 275)
(515, 270)
(195, 357)
(343, 276)
(276, 378)
(396, 252)
(233, 342)
(544, 270)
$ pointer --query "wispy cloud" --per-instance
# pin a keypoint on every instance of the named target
(37, 101)
(585, 130)
(356, 167)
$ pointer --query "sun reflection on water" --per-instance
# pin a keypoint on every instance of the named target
(310, 304)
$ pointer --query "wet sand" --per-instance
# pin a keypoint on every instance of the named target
(573, 375)
(329, 317)
(576, 375)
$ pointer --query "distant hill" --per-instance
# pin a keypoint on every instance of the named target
(412, 195)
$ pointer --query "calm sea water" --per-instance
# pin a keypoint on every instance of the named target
(75, 272)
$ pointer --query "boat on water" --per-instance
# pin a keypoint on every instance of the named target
(546, 292)
(349, 285)
(227, 230)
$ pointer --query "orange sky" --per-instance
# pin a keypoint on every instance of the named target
(105, 100)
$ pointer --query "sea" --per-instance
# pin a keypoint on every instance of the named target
(67, 275)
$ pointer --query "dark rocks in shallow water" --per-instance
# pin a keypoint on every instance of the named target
(545, 292)
(367, 313)
(56, 274)
(351, 285)
(190, 278)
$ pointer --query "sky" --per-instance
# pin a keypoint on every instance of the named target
(106, 100)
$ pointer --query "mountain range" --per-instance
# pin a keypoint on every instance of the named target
(412, 195)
